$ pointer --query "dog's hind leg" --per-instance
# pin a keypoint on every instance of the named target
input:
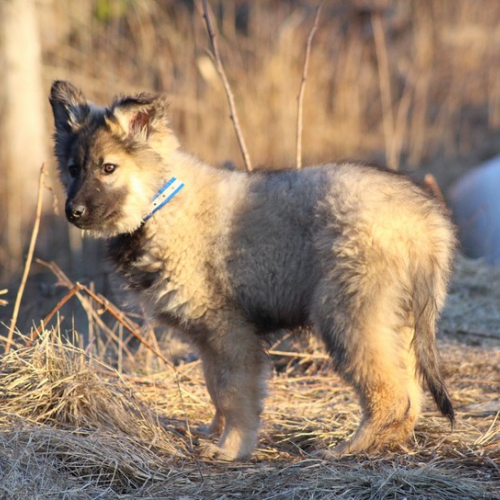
(235, 365)
(370, 342)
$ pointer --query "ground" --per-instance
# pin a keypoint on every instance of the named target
(74, 428)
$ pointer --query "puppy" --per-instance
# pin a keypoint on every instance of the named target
(360, 255)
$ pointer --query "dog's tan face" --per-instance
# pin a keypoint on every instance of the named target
(103, 154)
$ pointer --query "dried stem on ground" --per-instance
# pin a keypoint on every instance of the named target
(227, 87)
(302, 88)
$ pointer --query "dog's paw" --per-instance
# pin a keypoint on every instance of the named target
(214, 452)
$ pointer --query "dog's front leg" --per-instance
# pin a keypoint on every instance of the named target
(234, 364)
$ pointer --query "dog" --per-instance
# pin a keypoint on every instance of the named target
(360, 255)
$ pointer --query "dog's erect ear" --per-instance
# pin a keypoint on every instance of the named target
(138, 117)
(69, 106)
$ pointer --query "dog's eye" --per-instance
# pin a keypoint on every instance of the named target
(108, 168)
(73, 170)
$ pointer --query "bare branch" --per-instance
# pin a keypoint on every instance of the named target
(433, 186)
(129, 325)
(3, 302)
(384, 84)
(227, 87)
(91, 312)
(401, 124)
(29, 259)
(300, 96)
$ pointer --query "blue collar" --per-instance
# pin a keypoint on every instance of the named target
(164, 195)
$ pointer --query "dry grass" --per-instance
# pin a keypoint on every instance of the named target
(61, 404)
(73, 428)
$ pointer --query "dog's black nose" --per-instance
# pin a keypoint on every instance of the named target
(74, 212)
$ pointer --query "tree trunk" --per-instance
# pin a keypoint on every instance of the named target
(23, 134)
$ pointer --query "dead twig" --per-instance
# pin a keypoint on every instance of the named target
(29, 259)
(74, 289)
(300, 96)
(129, 325)
(3, 302)
(92, 313)
(484, 335)
(299, 355)
(401, 125)
(384, 85)
(431, 183)
(227, 87)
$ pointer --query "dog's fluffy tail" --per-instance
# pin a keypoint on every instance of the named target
(428, 296)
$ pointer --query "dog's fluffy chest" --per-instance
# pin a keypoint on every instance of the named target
(128, 253)
(167, 283)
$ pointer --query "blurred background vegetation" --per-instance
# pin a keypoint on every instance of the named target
(414, 84)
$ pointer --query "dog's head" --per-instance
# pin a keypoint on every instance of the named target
(111, 160)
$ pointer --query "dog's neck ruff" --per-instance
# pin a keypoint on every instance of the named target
(164, 195)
